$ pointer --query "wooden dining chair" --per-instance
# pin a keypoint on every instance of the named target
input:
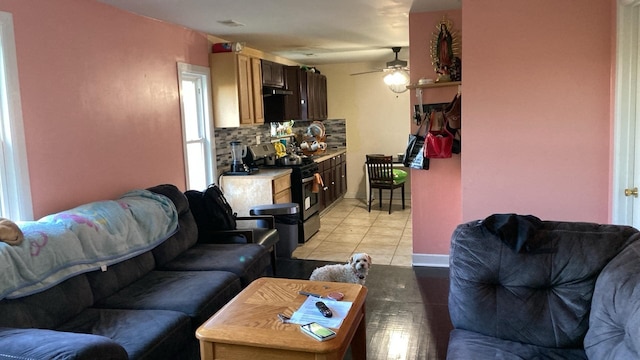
(380, 169)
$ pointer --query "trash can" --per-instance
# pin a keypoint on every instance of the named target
(287, 218)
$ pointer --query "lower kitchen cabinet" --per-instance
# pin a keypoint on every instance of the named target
(334, 174)
(282, 190)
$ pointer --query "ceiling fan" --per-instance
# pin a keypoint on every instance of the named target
(397, 76)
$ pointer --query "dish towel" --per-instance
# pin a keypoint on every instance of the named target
(317, 183)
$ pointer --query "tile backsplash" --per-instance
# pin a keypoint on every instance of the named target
(335, 130)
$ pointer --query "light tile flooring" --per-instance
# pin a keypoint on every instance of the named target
(348, 228)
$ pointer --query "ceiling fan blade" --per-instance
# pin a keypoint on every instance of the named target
(367, 72)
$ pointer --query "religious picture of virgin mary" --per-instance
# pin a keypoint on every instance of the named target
(444, 49)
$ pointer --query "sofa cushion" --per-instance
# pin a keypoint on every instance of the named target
(48, 344)
(115, 277)
(540, 295)
(614, 331)
(187, 236)
(198, 294)
(247, 261)
(144, 334)
(50, 308)
(466, 345)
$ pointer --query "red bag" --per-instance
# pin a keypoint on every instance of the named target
(438, 143)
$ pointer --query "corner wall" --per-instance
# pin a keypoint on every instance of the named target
(537, 100)
(436, 193)
(536, 116)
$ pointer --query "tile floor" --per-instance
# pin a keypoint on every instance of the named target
(347, 228)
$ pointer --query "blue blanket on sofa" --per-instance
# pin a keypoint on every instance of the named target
(83, 239)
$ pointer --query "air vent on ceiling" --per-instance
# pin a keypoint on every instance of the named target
(231, 23)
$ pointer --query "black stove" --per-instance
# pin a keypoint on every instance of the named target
(305, 170)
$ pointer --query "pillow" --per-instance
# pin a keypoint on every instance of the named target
(399, 176)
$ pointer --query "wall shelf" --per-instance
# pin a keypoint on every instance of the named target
(434, 85)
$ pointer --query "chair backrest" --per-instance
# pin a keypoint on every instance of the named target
(380, 169)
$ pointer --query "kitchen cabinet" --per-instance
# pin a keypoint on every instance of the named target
(316, 96)
(281, 189)
(292, 103)
(309, 101)
(268, 186)
(334, 175)
(272, 74)
(236, 82)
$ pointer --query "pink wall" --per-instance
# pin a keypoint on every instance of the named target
(536, 109)
(100, 99)
(537, 86)
(435, 193)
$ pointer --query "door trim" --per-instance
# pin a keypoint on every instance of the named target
(625, 111)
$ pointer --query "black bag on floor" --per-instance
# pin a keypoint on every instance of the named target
(211, 210)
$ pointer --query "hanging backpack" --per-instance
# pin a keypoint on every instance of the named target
(211, 210)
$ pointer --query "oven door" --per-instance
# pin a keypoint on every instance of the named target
(310, 200)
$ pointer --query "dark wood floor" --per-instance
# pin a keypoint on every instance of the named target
(407, 316)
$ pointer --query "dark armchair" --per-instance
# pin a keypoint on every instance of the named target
(248, 229)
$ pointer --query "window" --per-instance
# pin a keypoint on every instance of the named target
(197, 131)
(15, 191)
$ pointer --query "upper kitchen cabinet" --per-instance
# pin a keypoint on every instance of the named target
(272, 74)
(316, 96)
(236, 81)
(309, 100)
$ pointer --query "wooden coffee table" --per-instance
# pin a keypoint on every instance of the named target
(248, 327)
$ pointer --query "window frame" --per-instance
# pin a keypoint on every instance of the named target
(204, 74)
(15, 186)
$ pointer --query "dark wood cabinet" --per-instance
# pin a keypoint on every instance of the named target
(316, 96)
(292, 103)
(334, 176)
(272, 74)
(310, 94)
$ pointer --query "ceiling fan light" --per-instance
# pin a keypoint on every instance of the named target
(388, 79)
(397, 80)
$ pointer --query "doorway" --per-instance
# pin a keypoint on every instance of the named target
(626, 171)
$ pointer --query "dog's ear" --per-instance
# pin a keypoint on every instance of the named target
(352, 259)
(369, 259)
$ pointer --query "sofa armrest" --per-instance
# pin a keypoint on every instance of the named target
(50, 344)
(615, 308)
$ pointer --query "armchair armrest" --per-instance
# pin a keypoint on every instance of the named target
(268, 218)
(249, 235)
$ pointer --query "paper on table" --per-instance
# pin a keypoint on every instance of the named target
(308, 312)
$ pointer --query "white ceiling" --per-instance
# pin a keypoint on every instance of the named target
(310, 32)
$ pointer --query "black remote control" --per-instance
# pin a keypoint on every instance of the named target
(324, 310)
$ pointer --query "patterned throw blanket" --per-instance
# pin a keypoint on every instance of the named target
(89, 237)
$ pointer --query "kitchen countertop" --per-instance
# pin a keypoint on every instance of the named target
(271, 173)
(329, 154)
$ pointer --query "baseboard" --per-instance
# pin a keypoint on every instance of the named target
(432, 260)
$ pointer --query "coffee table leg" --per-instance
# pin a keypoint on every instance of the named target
(359, 341)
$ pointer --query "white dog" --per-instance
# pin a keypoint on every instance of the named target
(355, 271)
